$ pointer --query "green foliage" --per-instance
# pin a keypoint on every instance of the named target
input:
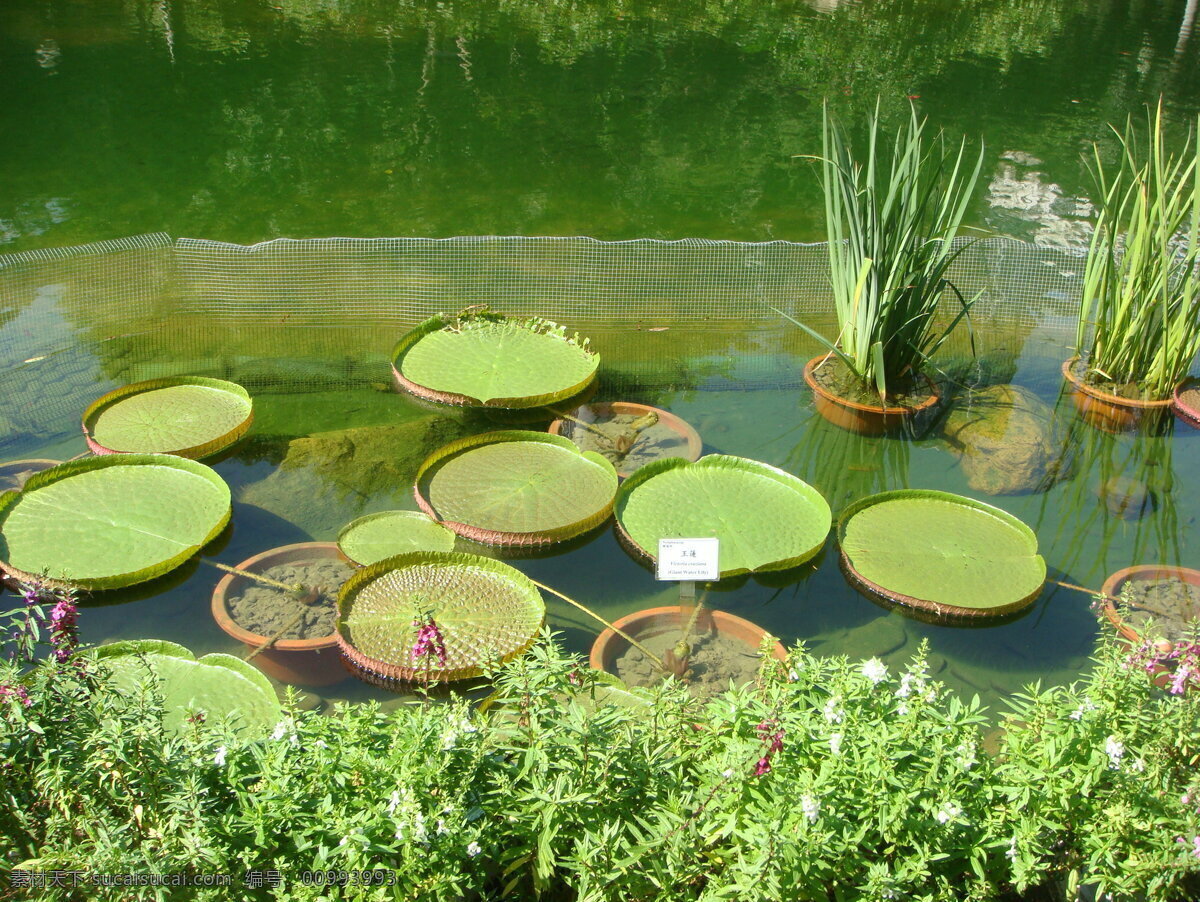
(1139, 317)
(825, 780)
(891, 222)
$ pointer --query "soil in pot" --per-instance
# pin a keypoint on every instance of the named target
(715, 660)
(836, 378)
(265, 610)
(1161, 608)
(651, 443)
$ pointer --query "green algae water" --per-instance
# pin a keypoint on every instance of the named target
(245, 121)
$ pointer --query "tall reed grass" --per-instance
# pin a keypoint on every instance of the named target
(891, 220)
(1139, 318)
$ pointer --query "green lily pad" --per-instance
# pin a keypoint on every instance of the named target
(516, 488)
(111, 521)
(944, 554)
(489, 360)
(190, 416)
(389, 533)
(765, 518)
(486, 611)
(216, 685)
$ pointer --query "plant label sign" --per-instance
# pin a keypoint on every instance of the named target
(688, 560)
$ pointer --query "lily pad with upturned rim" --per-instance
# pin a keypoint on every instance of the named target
(490, 360)
(943, 554)
(516, 488)
(190, 416)
(111, 521)
(765, 518)
(487, 613)
(389, 533)
(216, 685)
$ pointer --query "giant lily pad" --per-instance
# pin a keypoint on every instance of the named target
(216, 685)
(516, 488)
(489, 360)
(942, 554)
(108, 522)
(190, 416)
(765, 518)
(389, 533)
(485, 612)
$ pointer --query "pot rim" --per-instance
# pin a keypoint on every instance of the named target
(1116, 581)
(1068, 370)
(678, 425)
(220, 605)
(723, 619)
(929, 401)
(1187, 413)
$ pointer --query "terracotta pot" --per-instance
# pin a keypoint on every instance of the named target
(655, 621)
(864, 419)
(303, 662)
(1185, 409)
(618, 408)
(1110, 412)
(1143, 573)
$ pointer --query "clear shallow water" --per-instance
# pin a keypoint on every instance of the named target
(244, 121)
(292, 493)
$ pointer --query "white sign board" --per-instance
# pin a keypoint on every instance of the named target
(688, 560)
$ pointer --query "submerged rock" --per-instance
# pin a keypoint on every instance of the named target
(1126, 497)
(326, 479)
(1008, 440)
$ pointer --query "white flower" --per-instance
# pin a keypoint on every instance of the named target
(1085, 706)
(442, 829)
(448, 740)
(966, 755)
(1115, 749)
(219, 757)
(1138, 765)
(875, 671)
(286, 728)
(418, 825)
(345, 841)
(948, 812)
(835, 743)
(466, 726)
(727, 773)
(400, 832)
(811, 808)
(793, 675)
(393, 803)
(321, 744)
(1011, 854)
(280, 730)
(902, 709)
(833, 713)
(473, 849)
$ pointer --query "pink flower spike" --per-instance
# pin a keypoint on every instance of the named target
(1196, 846)
(763, 766)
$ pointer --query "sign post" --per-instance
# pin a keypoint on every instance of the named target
(688, 561)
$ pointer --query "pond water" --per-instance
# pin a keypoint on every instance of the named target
(244, 121)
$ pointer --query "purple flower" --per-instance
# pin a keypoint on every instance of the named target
(16, 691)
(429, 641)
(763, 766)
(63, 621)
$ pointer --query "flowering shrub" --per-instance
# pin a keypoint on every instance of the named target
(825, 780)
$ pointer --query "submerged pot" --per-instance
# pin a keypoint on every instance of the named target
(302, 662)
(865, 419)
(13, 473)
(656, 621)
(1110, 412)
(1187, 402)
(681, 428)
(1141, 573)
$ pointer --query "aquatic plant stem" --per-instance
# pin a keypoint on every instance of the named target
(311, 598)
(1097, 594)
(297, 588)
(624, 635)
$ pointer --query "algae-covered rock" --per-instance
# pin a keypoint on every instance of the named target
(1009, 442)
(327, 479)
(1127, 498)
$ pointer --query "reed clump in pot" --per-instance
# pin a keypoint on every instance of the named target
(1139, 318)
(891, 220)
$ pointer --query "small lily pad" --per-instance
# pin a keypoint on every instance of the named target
(764, 517)
(189, 416)
(516, 488)
(946, 555)
(389, 533)
(484, 359)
